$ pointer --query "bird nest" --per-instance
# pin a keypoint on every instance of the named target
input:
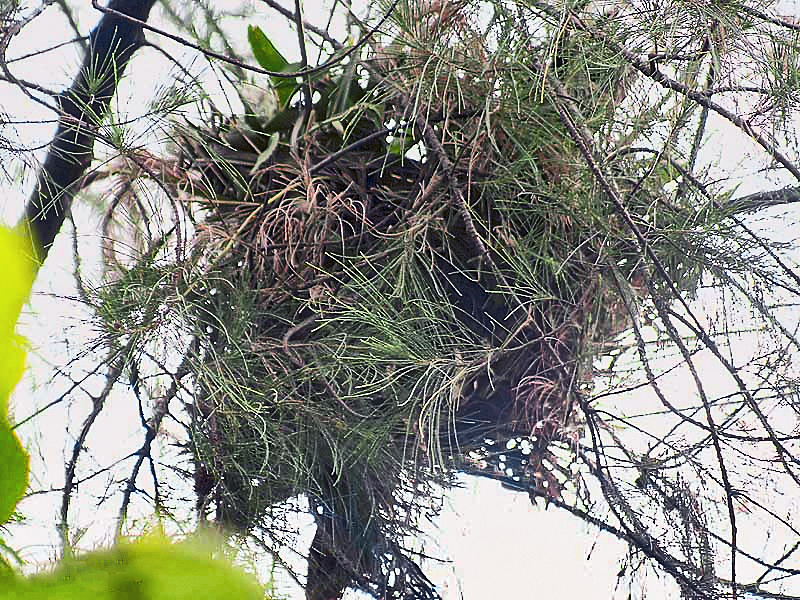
(387, 287)
(359, 284)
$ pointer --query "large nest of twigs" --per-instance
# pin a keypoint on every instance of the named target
(397, 280)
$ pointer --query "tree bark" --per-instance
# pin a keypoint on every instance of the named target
(82, 107)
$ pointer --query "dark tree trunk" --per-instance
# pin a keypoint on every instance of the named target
(82, 106)
(327, 578)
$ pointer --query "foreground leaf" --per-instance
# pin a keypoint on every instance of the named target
(151, 569)
(16, 272)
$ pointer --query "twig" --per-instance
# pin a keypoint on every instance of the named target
(9, 33)
(571, 119)
(151, 426)
(701, 97)
(432, 142)
(242, 65)
(62, 4)
(309, 26)
(98, 403)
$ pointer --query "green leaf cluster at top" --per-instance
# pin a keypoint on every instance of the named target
(339, 100)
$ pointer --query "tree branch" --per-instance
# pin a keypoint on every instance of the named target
(111, 46)
(759, 200)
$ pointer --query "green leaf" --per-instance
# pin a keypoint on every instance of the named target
(375, 113)
(264, 50)
(400, 144)
(7, 555)
(14, 474)
(271, 59)
(269, 151)
(285, 87)
(151, 568)
(17, 270)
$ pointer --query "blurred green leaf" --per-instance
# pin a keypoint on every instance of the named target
(17, 271)
(151, 568)
(14, 474)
